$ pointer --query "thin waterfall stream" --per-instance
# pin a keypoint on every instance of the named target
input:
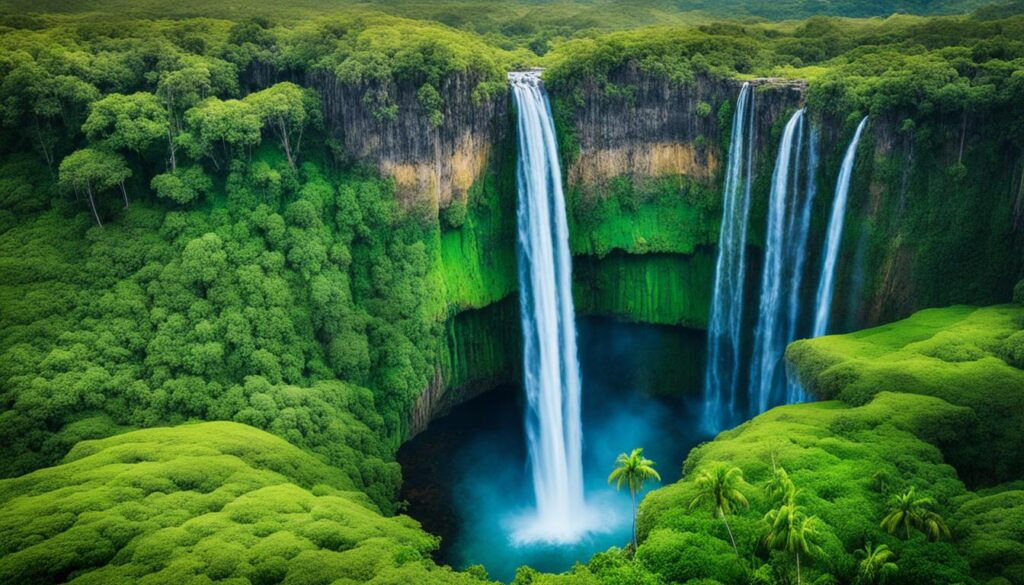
(826, 286)
(723, 362)
(785, 250)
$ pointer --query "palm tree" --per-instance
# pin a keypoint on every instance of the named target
(780, 489)
(908, 511)
(789, 529)
(633, 470)
(875, 565)
(719, 490)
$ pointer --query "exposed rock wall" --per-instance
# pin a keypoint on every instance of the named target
(931, 219)
(650, 127)
(646, 179)
(436, 163)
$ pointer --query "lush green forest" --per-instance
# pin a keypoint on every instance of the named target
(218, 320)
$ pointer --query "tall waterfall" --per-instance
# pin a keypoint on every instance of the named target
(798, 258)
(789, 217)
(723, 366)
(826, 286)
(550, 365)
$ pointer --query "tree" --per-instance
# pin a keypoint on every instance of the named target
(719, 489)
(37, 96)
(132, 122)
(791, 530)
(287, 109)
(633, 470)
(875, 564)
(195, 79)
(908, 511)
(232, 124)
(780, 488)
(93, 171)
(182, 185)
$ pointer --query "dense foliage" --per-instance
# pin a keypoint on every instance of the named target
(213, 501)
(183, 238)
(964, 355)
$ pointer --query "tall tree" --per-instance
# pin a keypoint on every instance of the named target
(908, 511)
(131, 122)
(791, 530)
(189, 81)
(233, 125)
(92, 171)
(287, 109)
(719, 490)
(41, 98)
(780, 488)
(633, 470)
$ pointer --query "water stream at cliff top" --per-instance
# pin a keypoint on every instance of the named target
(550, 364)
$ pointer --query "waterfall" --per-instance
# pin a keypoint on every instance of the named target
(723, 365)
(769, 335)
(826, 285)
(550, 367)
(798, 255)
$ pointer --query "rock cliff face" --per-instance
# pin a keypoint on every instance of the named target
(428, 161)
(919, 194)
(644, 182)
(648, 127)
(643, 160)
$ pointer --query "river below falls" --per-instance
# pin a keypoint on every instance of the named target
(467, 479)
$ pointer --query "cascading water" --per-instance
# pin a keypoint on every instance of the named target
(798, 258)
(723, 365)
(770, 334)
(826, 286)
(550, 363)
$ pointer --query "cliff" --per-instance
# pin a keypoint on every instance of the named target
(934, 217)
(644, 161)
(436, 162)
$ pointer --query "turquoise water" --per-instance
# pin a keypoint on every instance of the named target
(468, 480)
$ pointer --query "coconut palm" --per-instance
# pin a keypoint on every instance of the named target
(633, 470)
(875, 564)
(780, 488)
(907, 511)
(719, 489)
(791, 530)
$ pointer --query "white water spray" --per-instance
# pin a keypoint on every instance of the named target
(723, 361)
(550, 365)
(826, 286)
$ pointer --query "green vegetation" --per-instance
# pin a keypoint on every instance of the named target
(963, 355)
(184, 238)
(667, 289)
(214, 501)
(666, 214)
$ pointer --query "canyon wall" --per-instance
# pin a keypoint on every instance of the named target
(935, 218)
(644, 173)
(643, 161)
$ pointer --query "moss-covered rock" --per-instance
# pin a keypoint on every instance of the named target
(209, 501)
(665, 289)
(963, 355)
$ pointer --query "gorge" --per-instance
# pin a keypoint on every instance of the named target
(334, 297)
